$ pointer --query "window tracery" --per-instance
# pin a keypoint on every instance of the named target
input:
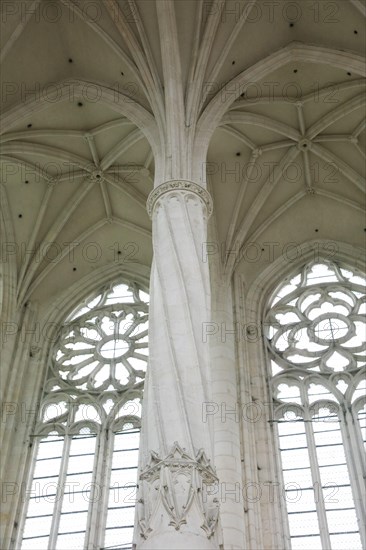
(315, 327)
(83, 485)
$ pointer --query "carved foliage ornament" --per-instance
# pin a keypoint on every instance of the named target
(180, 186)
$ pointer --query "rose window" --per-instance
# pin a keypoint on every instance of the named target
(105, 345)
(317, 321)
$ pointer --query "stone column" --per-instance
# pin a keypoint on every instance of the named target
(176, 504)
(227, 413)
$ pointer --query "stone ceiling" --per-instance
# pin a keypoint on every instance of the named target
(83, 91)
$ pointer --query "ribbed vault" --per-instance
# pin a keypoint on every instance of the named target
(102, 98)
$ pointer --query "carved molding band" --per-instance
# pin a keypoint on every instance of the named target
(179, 185)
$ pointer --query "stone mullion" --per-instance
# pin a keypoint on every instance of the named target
(351, 443)
(317, 482)
(60, 493)
(98, 506)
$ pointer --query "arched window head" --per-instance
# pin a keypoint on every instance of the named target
(316, 329)
(82, 486)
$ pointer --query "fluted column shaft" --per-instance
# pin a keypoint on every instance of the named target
(176, 509)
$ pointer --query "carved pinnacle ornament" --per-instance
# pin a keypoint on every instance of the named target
(174, 484)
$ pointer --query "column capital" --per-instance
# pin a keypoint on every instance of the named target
(179, 186)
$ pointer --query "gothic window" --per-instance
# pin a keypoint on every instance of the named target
(82, 487)
(315, 326)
